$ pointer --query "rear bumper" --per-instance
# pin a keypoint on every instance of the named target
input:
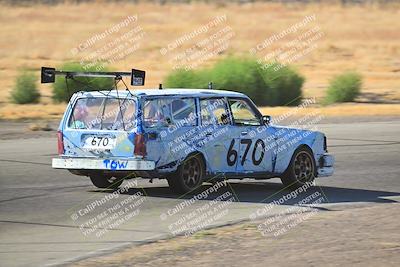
(326, 163)
(103, 164)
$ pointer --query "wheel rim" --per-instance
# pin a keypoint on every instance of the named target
(303, 167)
(191, 172)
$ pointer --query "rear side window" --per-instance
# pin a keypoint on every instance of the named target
(163, 112)
(214, 111)
(103, 113)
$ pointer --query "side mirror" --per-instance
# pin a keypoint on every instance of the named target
(266, 119)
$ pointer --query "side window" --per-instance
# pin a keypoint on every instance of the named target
(162, 112)
(156, 113)
(184, 111)
(242, 113)
(214, 111)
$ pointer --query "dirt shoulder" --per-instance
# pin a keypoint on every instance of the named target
(28, 129)
(363, 236)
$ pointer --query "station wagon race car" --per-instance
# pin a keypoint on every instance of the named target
(187, 136)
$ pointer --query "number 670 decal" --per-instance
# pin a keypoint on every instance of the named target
(232, 155)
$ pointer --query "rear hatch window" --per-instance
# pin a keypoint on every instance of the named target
(102, 113)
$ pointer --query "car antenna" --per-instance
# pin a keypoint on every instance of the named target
(210, 85)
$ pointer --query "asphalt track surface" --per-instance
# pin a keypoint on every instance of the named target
(42, 210)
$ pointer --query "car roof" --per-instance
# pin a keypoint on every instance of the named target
(164, 92)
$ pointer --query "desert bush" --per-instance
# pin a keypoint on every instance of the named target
(284, 85)
(344, 87)
(240, 75)
(62, 94)
(273, 85)
(25, 90)
(186, 79)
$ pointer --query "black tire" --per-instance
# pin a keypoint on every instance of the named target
(189, 175)
(105, 181)
(302, 168)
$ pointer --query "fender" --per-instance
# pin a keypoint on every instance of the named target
(287, 146)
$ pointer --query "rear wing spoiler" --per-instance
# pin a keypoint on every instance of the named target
(48, 75)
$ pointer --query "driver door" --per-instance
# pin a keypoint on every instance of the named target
(219, 139)
(254, 137)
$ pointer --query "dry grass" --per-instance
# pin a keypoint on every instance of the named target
(341, 110)
(32, 111)
(363, 38)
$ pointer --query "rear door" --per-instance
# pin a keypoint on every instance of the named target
(170, 124)
(101, 127)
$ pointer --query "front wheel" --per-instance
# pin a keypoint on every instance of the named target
(301, 170)
(189, 175)
(105, 181)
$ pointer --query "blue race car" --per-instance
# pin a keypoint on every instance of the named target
(187, 136)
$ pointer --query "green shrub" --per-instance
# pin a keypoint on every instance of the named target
(274, 85)
(60, 91)
(25, 90)
(186, 79)
(284, 85)
(240, 75)
(344, 88)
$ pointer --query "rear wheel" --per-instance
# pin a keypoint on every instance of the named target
(189, 175)
(301, 170)
(105, 181)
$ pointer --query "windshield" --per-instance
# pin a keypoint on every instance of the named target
(102, 113)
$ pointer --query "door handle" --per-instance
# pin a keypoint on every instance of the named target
(243, 133)
(208, 134)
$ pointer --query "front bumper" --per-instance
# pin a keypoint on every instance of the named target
(103, 164)
(326, 163)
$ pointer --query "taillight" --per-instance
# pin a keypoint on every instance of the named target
(140, 145)
(60, 143)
